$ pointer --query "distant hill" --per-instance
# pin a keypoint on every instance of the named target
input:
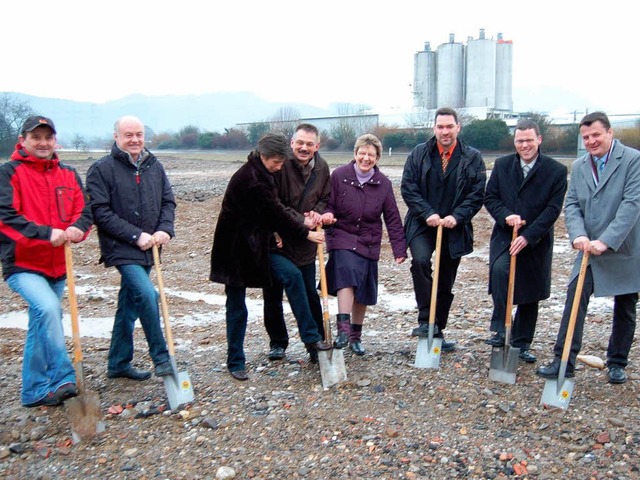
(211, 112)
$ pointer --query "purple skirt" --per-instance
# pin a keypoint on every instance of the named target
(347, 269)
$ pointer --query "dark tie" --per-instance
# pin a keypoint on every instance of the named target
(525, 170)
(445, 161)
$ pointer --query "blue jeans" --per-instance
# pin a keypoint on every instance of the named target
(46, 364)
(137, 299)
(290, 277)
(273, 313)
(236, 317)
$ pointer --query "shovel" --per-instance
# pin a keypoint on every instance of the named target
(504, 360)
(177, 385)
(332, 368)
(84, 410)
(557, 393)
(429, 349)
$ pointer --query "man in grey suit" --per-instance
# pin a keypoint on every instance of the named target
(601, 213)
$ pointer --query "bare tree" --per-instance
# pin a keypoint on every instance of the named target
(13, 113)
(285, 121)
(79, 143)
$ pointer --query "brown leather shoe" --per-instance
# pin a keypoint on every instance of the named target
(240, 375)
(320, 345)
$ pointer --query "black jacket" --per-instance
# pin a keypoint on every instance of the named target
(251, 212)
(467, 199)
(538, 200)
(127, 201)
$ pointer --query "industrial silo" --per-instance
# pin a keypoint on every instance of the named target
(424, 78)
(481, 72)
(504, 74)
(450, 71)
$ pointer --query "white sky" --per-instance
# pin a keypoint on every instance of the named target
(310, 52)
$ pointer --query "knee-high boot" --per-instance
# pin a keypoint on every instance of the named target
(344, 328)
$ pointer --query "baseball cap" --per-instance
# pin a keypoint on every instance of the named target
(35, 121)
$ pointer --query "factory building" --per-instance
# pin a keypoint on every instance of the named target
(475, 78)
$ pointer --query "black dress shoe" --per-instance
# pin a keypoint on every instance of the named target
(616, 374)
(446, 346)
(49, 400)
(422, 330)
(130, 373)
(527, 357)
(357, 348)
(164, 369)
(240, 375)
(496, 341)
(319, 345)
(552, 370)
(66, 390)
(276, 353)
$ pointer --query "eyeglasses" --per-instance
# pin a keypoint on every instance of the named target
(525, 141)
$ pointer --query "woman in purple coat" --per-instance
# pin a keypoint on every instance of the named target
(360, 196)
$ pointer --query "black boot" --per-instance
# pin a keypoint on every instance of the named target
(344, 328)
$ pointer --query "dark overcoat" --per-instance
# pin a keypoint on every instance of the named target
(538, 200)
(467, 201)
(250, 214)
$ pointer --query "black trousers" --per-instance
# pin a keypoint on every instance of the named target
(524, 322)
(422, 248)
(622, 330)
(274, 321)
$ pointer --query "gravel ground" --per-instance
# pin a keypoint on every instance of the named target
(389, 420)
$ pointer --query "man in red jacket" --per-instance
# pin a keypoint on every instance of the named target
(42, 206)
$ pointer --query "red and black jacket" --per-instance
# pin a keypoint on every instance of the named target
(37, 196)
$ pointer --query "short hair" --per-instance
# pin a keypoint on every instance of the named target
(528, 124)
(368, 139)
(273, 145)
(447, 111)
(307, 127)
(593, 117)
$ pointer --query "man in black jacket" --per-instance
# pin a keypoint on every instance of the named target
(133, 208)
(442, 184)
(525, 186)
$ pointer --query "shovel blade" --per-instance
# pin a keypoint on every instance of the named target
(504, 364)
(178, 388)
(556, 394)
(85, 416)
(332, 367)
(428, 354)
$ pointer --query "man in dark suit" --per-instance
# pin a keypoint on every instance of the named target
(525, 190)
(442, 184)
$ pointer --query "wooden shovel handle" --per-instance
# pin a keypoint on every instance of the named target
(511, 285)
(435, 277)
(575, 307)
(163, 301)
(323, 291)
(73, 304)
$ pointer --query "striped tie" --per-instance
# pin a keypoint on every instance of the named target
(525, 170)
(445, 161)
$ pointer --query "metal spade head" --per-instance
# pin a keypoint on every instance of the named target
(504, 364)
(178, 387)
(332, 367)
(428, 353)
(557, 393)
